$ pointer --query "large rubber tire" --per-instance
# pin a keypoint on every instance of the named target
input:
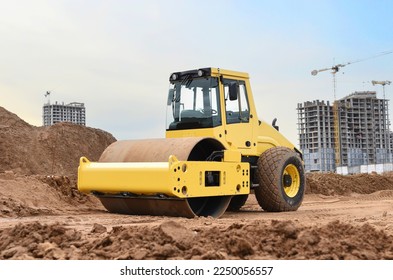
(237, 202)
(281, 180)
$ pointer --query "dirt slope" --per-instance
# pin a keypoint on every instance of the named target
(35, 195)
(53, 150)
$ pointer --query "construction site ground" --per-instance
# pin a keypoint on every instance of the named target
(43, 216)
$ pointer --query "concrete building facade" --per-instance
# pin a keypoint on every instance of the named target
(74, 112)
(353, 132)
(363, 126)
(316, 135)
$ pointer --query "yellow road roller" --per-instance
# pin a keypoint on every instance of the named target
(215, 153)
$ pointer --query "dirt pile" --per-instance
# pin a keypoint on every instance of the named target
(53, 150)
(24, 196)
(38, 166)
(335, 184)
(171, 240)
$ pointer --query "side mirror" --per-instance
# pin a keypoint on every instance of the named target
(233, 91)
(274, 124)
(171, 94)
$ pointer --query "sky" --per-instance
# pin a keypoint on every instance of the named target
(116, 56)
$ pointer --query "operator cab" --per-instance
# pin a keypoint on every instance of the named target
(194, 101)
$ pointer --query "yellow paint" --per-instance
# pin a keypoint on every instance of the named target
(269, 137)
(182, 179)
(293, 188)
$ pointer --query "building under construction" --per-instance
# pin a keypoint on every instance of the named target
(352, 132)
(316, 135)
(74, 112)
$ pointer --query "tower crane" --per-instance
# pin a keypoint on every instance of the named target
(337, 127)
(383, 84)
(337, 67)
(47, 95)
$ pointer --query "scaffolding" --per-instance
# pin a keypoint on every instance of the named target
(337, 132)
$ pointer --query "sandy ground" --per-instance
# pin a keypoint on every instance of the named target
(43, 216)
(325, 227)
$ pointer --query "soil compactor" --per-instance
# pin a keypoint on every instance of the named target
(216, 152)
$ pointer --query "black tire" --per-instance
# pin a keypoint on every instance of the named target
(237, 202)
(281, 180)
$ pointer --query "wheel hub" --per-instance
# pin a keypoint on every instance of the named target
(291, 180)
(287, 180)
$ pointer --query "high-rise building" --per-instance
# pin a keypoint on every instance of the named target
(74, 112)
(362, 125)
(316, 135)
(352, 132)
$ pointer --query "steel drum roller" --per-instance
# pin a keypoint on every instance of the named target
(159, 150)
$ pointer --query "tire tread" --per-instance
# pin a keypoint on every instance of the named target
(268, 194)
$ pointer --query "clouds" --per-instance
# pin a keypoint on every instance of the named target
(116, 56)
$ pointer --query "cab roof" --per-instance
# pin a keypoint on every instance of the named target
(207, 72)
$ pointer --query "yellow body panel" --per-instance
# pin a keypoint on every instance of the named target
(269, 137)
(181, 179)
(216, 133)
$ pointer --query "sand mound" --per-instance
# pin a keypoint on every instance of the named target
(335, 184)
(38, 166)
(22, 196)
(53, 150)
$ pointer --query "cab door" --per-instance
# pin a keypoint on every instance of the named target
(238, 127)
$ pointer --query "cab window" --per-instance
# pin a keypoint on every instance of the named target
(236, 106)
(194, 103)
